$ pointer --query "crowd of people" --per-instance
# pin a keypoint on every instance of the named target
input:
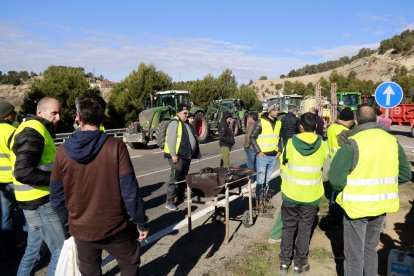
(57, 192)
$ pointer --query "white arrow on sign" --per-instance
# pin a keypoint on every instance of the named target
(388, 92)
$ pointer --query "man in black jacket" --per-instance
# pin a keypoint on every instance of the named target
(226, 139)
(32, 155)
(289, 124)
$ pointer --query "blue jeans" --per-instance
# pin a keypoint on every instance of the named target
(8, 203)
(264, 169)
(44, 224)
(251, 158)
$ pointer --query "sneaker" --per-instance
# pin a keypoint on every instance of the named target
(273, 241)
(283, 269)
(298, 270)
(171, 206)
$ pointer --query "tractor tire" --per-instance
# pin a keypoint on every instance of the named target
(234, 125)
(160, 133)
(412, 132)
(243, 123)
(200, 127)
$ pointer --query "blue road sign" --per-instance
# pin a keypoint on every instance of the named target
(388, 94)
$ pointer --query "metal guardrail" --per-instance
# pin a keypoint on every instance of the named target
(61, 137)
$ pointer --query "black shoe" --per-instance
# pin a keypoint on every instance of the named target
(283, 269)
(298, 270)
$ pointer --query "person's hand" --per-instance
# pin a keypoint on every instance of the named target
(175, 159)
(261, 155)
(142, 235)
(278, 154)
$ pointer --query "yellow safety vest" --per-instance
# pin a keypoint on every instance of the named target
(333, 131)
(372, 187)
(268, 140)
(24, 192)
(179, 133)
(6, 130)
(302, 175)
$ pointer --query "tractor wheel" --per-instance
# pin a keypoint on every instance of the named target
(412, 132)
(234, 125)
(201, 127)
(160, 133)
(243, 123)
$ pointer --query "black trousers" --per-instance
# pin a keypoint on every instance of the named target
(125, 251)
(301, 218)
(178, 173)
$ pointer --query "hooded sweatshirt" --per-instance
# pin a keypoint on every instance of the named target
(94, 188)
(305, 143)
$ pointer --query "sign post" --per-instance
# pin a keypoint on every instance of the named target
(388, 95)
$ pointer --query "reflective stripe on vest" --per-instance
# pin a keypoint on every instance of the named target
(372, 186)
(6, 131)
(268, 139)
(332, 134)
(24, 192)
(179, 133)
(302, 175)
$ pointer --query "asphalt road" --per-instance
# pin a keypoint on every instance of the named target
(152, 172)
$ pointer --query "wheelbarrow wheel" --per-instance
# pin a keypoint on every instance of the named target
(246, 220)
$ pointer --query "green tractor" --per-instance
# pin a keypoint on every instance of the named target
(348, 99)
(154, 119)
(215, 112)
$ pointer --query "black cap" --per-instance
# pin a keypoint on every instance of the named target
(5, 108)
(346, 114)
(182, 107)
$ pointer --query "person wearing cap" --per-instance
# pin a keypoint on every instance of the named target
(181, 146)
(32, 154)
(302, 188)
(345, 121)
(366, 172)
(7, 198)
(226, 138)
(265, 141)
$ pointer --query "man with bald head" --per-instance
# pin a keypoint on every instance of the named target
(366, 171)
(32, 154)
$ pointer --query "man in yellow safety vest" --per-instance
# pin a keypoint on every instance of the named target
(33, 151)
(301, 167)
(366, 171)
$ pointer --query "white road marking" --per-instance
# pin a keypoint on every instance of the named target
(136, 156)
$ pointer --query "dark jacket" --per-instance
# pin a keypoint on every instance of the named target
(226, 135)
(94, 187)
(28, 148)
(257, 130)
(319, 125)
(346, 159)
(289, 126)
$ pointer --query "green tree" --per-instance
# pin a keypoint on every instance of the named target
(248, 98)
(64, 84)
(127, 99)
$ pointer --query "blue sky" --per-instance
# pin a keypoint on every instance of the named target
(190, 39)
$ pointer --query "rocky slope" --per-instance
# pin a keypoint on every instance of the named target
(376, 67)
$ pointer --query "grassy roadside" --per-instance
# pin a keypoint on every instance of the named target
(263, 258)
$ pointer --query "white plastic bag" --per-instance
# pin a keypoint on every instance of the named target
(68, 260)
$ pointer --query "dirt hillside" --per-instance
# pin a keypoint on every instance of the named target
(376, 67)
